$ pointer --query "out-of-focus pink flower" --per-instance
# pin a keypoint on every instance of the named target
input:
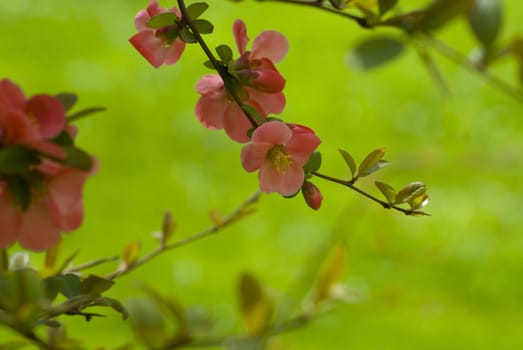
(312, 195)
(279, 152)
(158, 46)
(255, 80)
(55, 189)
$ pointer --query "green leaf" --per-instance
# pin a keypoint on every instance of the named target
(162, 20)
(209, 64)
(203, 26)
(84, 113)
(71, 285)
(187, 36)
(439, 12)
(252, 112)
(52, 286)
(314, 163)
(386, 5)
(225, 53)
(349, 161)
(16, 159)
(373, 162)
(330, 273)
(339, 4)
(485, 20)
(78, 159)
(375, 52)
(112, 303)
(197, 9)
(95, 285)
(388, 191)
(410, 192)
(67, 99)
(19, 190)
(255, 307)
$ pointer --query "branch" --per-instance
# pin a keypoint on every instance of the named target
(236, 215)
(222, 71)
(386, 205)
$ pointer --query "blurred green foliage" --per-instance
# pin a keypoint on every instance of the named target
(450, 281)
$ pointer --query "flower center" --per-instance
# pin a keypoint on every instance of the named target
(279, 158)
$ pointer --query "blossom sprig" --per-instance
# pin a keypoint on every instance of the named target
(240, 99)
(42, 171)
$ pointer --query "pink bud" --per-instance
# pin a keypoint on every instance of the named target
(312, 195)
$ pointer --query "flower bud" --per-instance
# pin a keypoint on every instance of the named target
(312, 195)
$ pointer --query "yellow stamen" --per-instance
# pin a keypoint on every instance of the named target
(279, 158)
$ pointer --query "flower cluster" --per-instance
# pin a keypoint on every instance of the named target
(40, 193)
(240, 98)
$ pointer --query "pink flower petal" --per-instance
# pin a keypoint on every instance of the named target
(301, 146)
(11, 96)
(270, 44)
(150, 47)
(9, 222)
(253, 155)
(173, 52)
(273, 132)
(240, 35)
(269, 103)
(38, 232)
(49, 114)
(210, 110)
(269, 80)
(286, 183)
(210, 83)
(235, 123)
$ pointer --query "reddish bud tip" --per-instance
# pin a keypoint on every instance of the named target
(312, 195)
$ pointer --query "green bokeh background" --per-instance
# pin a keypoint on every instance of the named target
(449, 281)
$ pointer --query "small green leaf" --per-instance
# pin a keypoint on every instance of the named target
(19, 190)
(78, 159)
(95, 285)
(168, 227)
(197, 9)
(187, 36)
(255, 307)
(67, 99)
(16, 159)
(349, 161)
(386, 5)
(410, 192)
(113, 303)
(71, 285)
(209, 64)
(225, 53)
(203, 26)
(84, 113)
(339, 4)
(330, 273)
(252, 112)
(162, 20)
(439, 12)
(52, 286)
(388, 191)
(314, 163)
(372, 162)
(375, 52)
(485, 20)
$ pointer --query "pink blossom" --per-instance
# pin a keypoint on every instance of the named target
(58, 209)
(254, 79)
(158, 46)
(55, 189)
(279, 151)
(312, 195)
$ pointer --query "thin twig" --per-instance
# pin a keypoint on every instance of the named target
(91, 264)
(384, 204)
(237, 214)
(222, 71)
